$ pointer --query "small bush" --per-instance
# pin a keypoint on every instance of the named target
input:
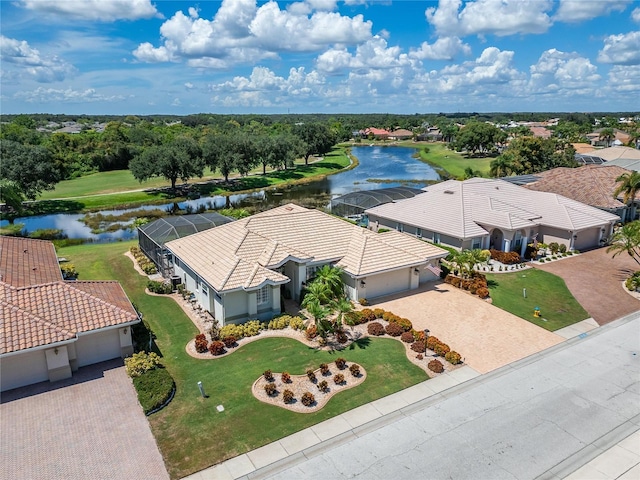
(482, 292)
(342, 337)
(268, 375)
(375, 328)
(285, 377)
(419, 346)
(562, 248)
(217, 348)
(154, 388)
(441, 349)
(311, 375)
(341, 363)
(288, 396)
(388, 316)
(354, 368)
(508, 258)
(432, 341)
(363, 302)
(279, 323)
(296, 323)
(308, 399)
(311, 333)
(453, 357)
(229, 341)
(407, 337)
(324, 369)
(141, 362)
(338, 379)
(394, 330)
(159, 287)
(420, 356)
(367, 315)
(201, 343)
(323, 386)
(270, 389)
(378, 312)
(69, 271)
(436, 366)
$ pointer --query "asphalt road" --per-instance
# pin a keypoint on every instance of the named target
(541, 417)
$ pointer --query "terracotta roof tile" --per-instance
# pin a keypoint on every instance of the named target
(24, 261)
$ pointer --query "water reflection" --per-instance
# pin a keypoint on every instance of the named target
(395, 165)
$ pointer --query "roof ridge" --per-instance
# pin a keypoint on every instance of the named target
(231, 270)
(102, 301)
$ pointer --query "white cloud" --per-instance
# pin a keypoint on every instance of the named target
(189, 85)
(27, 61)
(497, 17)
(625, 80)
(623, 49)
(242, 33)
(373, 54)
(96, 10)
(558, 71)
(573, 11)
(444, 48)
(635, 15)
(50, 95)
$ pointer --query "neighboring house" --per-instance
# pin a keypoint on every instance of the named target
(52, 327)
(592, 184)
(377, 133)
(239, 271)
(612, 154)
(541, 132)
(432, 134)
(583, 147)
(619, 135)
(400, 134)
(484, 213)
(152, 236)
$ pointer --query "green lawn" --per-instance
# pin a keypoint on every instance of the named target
(544, 290)
(191, 434)
(453, 162)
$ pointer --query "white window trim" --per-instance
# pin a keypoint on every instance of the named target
(263, 294)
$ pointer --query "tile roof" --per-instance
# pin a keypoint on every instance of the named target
(615, 153)
(463, 209)
(591, 184)
(50, 310)
(247, 249)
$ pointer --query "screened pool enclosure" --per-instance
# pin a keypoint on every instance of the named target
(355, 203)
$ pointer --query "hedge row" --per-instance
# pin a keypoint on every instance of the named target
(143, 261)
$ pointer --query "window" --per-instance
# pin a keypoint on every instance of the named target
(263, 294)
(311, 271)
(476, 243)
(205, 289)
(436, 237)
(419, 232)
(400, 227)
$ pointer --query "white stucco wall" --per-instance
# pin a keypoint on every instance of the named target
(388, 283)
(23, 369)
(94, 347)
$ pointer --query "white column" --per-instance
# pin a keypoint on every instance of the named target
(525, 240)
(507, 245)
(252, 304)
(275, 299)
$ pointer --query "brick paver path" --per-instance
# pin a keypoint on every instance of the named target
(595, 280)
(88, 427)
(487, 337)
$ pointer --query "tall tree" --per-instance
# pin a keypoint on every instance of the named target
(607, 134)
(179, 158)
(30, 167)
(628, 186)
(317, 138)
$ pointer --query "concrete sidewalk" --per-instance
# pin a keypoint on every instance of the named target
(487, 420)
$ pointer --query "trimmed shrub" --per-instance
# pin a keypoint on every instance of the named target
(308, 399)
(378, 312)
(154, 388)
(453, 357)
(562, 248)
(323, 386)
(354, 368)
(268, 375)
(363, 302)
(288, 396)
(342, 337)
(407, 337)
(388, 316)
(394, 329)
(420, 356)
(375, 328)
(353, 318)
(341, 363)
(217, 348)
(367, 315)
(482, 292)
(141, 362)
(338, 379)
(419, 346)
(285, 377)
(554, 247)
(296, 323)
(201, 343)
(279, 323)
(229, 341)
(441, 349)
(324, 369)
(241, 330)
(432, 341)
(159, 287)
(405, 323)
(270, 389)
(436, 366)
(312, 332)
(311, 375)
(508, 258)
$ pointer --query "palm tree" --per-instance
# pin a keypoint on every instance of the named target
(607, 134)
(626, 240)
(317, 293)
(629, 186)
(342, 306)
(332, 278)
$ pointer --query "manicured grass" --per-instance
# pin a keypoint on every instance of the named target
(453, 162)
(190, 432)
(113, 189)
(544, 290)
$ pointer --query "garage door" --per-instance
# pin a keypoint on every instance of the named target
(97, 347)
(587, 239)
(23, 369)
(388, 283)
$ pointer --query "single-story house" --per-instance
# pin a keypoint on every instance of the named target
(615, 154)
(240, 270)
(591, 184)
(597, 141)
(485, 213)
(401, 134)
(378, 133)
(52, 327)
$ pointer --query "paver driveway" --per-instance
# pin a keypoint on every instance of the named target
(595, 280)
(88, 427)
(487, 337)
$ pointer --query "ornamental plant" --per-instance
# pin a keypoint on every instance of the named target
(323, 386)
(312, 332)
(367, 315)
(441, 349)
(217, 348)
(407, 337)
(201, 343)
(270, 389)
(268, 375)
(453, 357)
(375, 328)
(285, 377)
(311, 375)
(341, 363)
(288, 396)
(324, 369)
(419, 346)
(378, 312)
(436, 366)
(229, 341)
(141, 362)
(308, 399)
(432, 341)
(296, 323)
(394, 329)
(338, 379)
(354, 368)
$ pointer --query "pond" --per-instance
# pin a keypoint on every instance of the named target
(379, 167)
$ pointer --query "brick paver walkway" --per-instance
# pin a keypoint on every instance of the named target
(88, 427)
(595, 280)
(487, 337)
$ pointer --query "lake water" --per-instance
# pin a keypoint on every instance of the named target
(394, 165)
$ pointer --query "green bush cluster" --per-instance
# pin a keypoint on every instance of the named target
(296, 323)
(241, 330)
(279, 323)
(143, 261)
(154, 388)
(453, 357)
(141, 362)
(633, 282)
(69, 271)
(163, 288)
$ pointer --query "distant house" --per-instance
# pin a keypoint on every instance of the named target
(484, 213)
(378, 133)
(52, 327)
(541, 132)
(401, 134)
(592, 185)
(612, 154)
(432, 134)
(597, 141)
(239, 271)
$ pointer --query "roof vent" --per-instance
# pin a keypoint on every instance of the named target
(449, 192)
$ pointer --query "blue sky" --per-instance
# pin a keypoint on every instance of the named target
(353, 56)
